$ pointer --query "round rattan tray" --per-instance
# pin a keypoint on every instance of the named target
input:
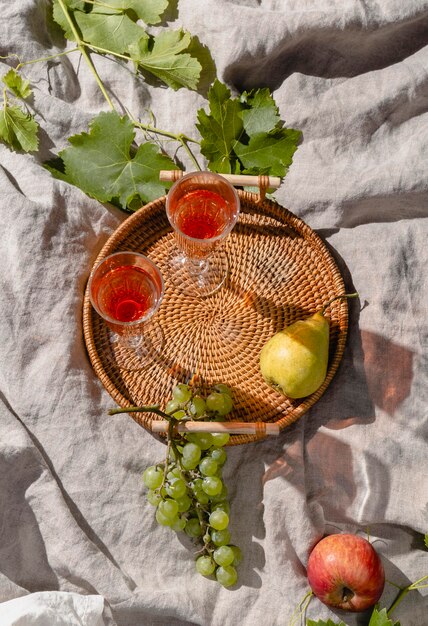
(279, 271)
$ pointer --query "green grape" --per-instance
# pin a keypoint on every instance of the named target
(220, 403)
(237, 555)
(202, 440)
(153, 497)
(193, 527)
(196, 484)
(223, 506)
(222, 388)
(219, 519)
(179, 415)
(174, 473)
(218, 455)
(176, 488)
(212, 485)
(226, 576)
(222, 496)
(162, 519)
(220, 537)
(189, 464)
(197, 407)
(208, 466)
(192, 452)
(205, 565)
(220, 439)
(181, 393)
(153, 477)
(201, 496)
(171, 406)
(168, 508)
(179, 524)
(184, 503)
(224, 555)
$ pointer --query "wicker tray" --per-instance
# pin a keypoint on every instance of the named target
(280, 271)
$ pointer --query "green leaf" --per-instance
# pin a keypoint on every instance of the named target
(18, 129)
(150, 11)
(269, 153)
(60, 18)
(104, 166)
(115, 33)
(262, 116)
(221, 128)
(311, 622)
(164, 57)
(380, 618)
(16, 84)
(426, 540)
(245, 135)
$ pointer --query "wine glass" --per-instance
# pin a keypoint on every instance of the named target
(202, 208)
(126, 290)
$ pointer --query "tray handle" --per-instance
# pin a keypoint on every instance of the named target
(262, 181)
(236, 428)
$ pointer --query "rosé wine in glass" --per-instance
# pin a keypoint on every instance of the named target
(202, 208)
(126, 290)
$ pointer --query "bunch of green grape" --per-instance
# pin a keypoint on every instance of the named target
(187, 489)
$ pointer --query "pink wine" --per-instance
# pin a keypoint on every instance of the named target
(202, 214)
(127, 293)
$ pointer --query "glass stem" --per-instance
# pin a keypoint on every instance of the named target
(197, 266)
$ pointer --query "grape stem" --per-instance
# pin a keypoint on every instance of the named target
(404, 591)
(301, 608)
(141, 409)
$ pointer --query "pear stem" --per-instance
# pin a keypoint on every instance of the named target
(344, 295)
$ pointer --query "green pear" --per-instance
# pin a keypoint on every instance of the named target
(294, 361)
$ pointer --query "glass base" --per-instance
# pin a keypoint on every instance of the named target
(198, 278)
(136, 352)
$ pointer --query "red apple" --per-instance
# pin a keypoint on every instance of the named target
(345, 572)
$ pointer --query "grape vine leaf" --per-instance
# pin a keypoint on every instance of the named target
(380, 618)
(270, 153)
(105, 166)
(220, 129)
(311, 622)
(245, 134)
(112, 28)
(61, 19)
(263, 115)
(18, 128)
(164, 56)
(150, 11)
(17, 85)
(108, 30)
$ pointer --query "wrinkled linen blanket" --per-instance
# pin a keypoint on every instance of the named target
(78, 542)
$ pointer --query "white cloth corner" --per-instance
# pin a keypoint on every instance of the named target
(54, 608)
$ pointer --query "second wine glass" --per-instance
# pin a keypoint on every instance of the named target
(126, 290)
(202, 208)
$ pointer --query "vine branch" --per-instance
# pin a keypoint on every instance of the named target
(82, 47)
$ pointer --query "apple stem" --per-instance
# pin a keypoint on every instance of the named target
(347, 594)
(344, 295)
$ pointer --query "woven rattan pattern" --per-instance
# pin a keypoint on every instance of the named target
(280, 271)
